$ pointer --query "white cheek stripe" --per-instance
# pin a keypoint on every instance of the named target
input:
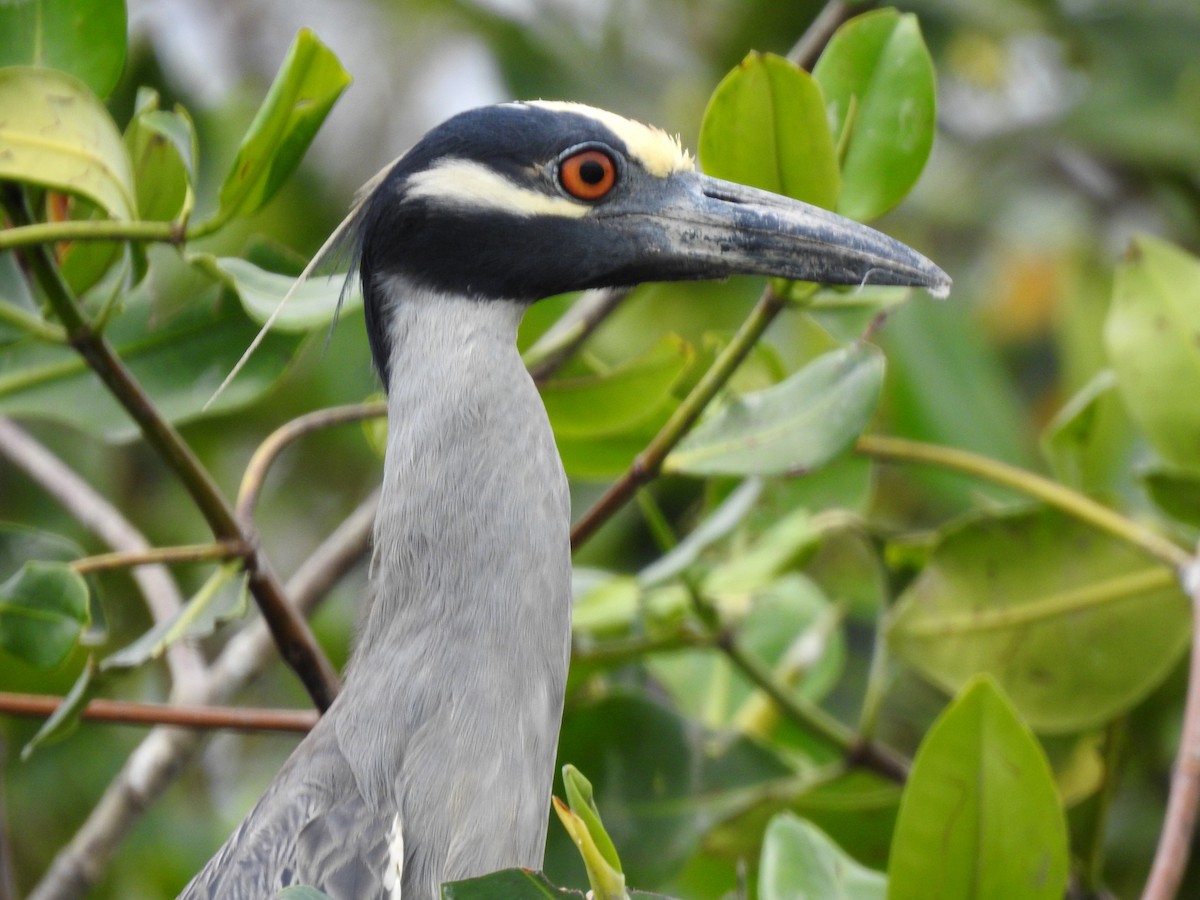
(472, 185)
(658, 152)
(395, 868)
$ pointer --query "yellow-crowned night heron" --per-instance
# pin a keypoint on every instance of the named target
(435, 762)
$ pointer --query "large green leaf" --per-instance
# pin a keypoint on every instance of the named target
(85, 38)
(179, 359)
(1075, 626)
(878, 82)
(1153, 340)
(313, 304)
(795, 426)
(765, 126)
(618, 401)
(980, 818)
(55, 133)
(43, 611)
(800, 862)
(308, 84)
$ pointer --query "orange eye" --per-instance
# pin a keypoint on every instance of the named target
(587, 175)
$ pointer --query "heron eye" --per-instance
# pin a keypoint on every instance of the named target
(588, 174)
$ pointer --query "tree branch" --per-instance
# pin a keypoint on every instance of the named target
(100, 517)
(1179, 824)
(166, 750)
(296, 642)
(39, 706)
(188, 553)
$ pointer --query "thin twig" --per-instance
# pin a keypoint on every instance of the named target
(648, 463)
(1075, 504)
(295, 639)
(807, 50)
(1179, 823)
(37, 233)
(240, 718)
(100, 517)
(266, 453)
(187, 553)
(165, 751)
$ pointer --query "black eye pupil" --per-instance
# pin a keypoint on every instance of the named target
(591, 172)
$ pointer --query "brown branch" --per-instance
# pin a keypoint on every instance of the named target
(1179, 823)
(125, 712)
(162, 755)
(102, 519)
(292, 634)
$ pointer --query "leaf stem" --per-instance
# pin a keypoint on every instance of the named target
(1049, 492)
(103, 562)
(31, 324)
(32, 234)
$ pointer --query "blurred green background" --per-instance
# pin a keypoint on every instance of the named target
(1064, 128)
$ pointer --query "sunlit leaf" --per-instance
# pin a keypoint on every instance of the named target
(795, 426)
(980, 817)
(878, 82)
(1153, 339)
(85, 38)
(765, 126)
(55, 133)
(312, 305)
(308, 84)
(800, 862)
(1077, 632)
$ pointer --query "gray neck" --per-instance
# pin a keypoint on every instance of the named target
(473, 521)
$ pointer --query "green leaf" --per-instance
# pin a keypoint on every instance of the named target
(1076, 626)
(582, 800)
(980, 818)
(43, 611)
(313, 304)
(765, 126)
(1175, 491)
(55, 133)
(162, 149)
(800, 862)
(65, 717)
(179, 358)
(621, 400)
(84, 38)
(1070, 433)
(659, 780)
(783, 546)
(308, 84)
(508, 884)
(1153, 339)
(795, 426)
(878, 82)
(223, 597)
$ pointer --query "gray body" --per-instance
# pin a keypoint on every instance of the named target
(461, 666)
